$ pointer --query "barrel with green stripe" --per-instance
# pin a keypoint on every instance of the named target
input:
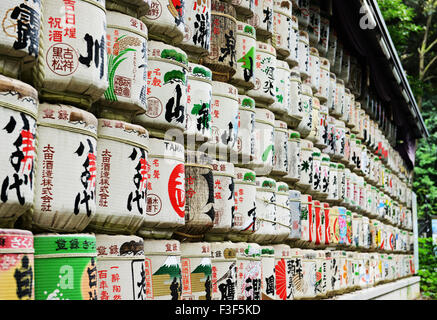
(65, 267)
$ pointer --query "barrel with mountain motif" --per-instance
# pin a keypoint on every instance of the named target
(120, 267)
(18, 113)
(65, 267)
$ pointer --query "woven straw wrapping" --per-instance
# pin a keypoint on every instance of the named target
(244, 9)
(133, 8)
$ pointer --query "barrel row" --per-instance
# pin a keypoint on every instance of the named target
(102, 267)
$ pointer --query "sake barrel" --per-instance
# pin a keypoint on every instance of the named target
(296, 273)
(323, 44)
(333, 194)
(314, 26)
(330, 136)
(302, 11)
(341, 182)
(166, 194)
(120, 267)
(338, 58)
(121, 177)
(222, 53)
(332, 96)
(323, 91)
(314, 70)
(294, 200)
(17, 280)
(316, 129)
(344, 271)
(329, 273)
(315, 179)
(304, 54)
(335, 271)
(244, 8)
(356, 230)
(268, 273)
(306, 165)
(244, 216)
(340, 140)
(345, 66)
(167, 88)
(327, 232)
(245, 49)
(126, 41)
(307, 218)
(347, 199)
(19, 107)
(283, 272)
(345, 107)
(265, 70)
(20, 35)
(166, 21)
(223, 270)
(282, 28)
(264, 142)
(307, 103)
(246, 127)
(325, 168)
(65, 180)
(309, 267)
(197, 28)
(332, 47)
(65, 267)
(199, 192)
(321, 274)
(249, 271)
(134, 8)
(293, 173)
(281, 106)
(343, 226)
(293, 58)
(224, 117)
(334, 230)
(262, 18)
(196, 271)
(339, 101)
(163, 269)
(199, 100)
(72, 66)
(265, 230)
(296, 112)
(283, 213)
(280, 159)
(319, 222)
(224, 197)
(349, 141)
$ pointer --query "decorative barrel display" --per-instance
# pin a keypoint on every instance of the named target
(18, 109)
(134, 8)
(65, 178)
(265, 70)
(323, 91)
(314, 70)
(246, 129)
(268, 274)
(199, 192)
(282, 28)
(223, 270)
(166, 21)
(20, 35)
(262, 18)
(281, 153)
(65, 267)
(163, 270)
(17, 280)
(244, 215)
(126, 95)
(222, 53)
(283, 212)
(296, 112)
(323, 45)
(224, 117)
(309, 269)
(72, 65)
(283, 272)
(197, 28)
(305, 165)
(166, 86)
(244, 8)
(196, 271)
(281, 106)
(265, 230)
(302, 11)
(199, 103)
(120, 267)
(304, 54)
(294, 201)
(307, 102)
(224, 198)
(245, 49)
(293, 58)
(121, 177)
(249, 270)
(293, 174)
(307, 219)
(264, 136)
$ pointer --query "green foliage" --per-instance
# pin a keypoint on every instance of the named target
(428, 267)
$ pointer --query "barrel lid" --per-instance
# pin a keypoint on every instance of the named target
(306, 144)
(293, 135)
(283, 7)
(223, 250)
(66, 117)
(279, 124)
(282, 187)
(306, 198)
(246, 102)
(246, 29)
(248, 250)
(267, 251)
(116, 20)
(282, 251)
(245, 175)
(316, 152)
(123, 132)
(295, 73)
(280, 64)
(265, 48)
(160, 50)
(314, 51)
(165, 247)
(16, 240)
(54, 244)
(317, 203)
(222, 167)
(18, 89)
(119, 246)
(198, 71)
(307, 90)
(294, 195)
(224, 89)
(265, 116)
(196, 249)
(325, 158)
(223, 7)
(303, 35)
(340, 81)
(266, 183)
(166, 149)
(324, 64)
(340, 166)
(325, 205)
(197, 158)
